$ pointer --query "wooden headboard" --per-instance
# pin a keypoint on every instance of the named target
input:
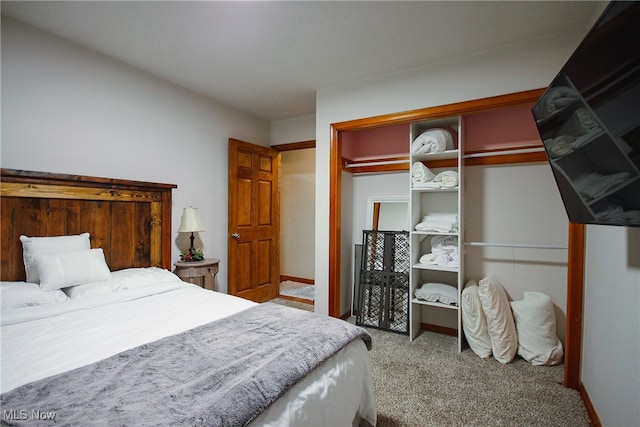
(129, 220)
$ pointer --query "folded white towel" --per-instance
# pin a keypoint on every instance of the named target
(594, 184)
(555, 99)
(426, 185)
(444, 244)
(443, 260)
(447, 179)
(439, 223)
(558, 147)
(434, 140)
(421, 173)
(580, 123)
(444, 252)
(440, 217)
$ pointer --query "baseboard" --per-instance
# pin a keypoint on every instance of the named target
(593, 416)
(346, 315)
(297, 279)
(302, 300)
(440, 329)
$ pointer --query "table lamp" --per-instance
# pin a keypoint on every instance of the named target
(189, 224)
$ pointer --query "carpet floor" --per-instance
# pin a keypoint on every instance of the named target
(298, 290)
(427, 382)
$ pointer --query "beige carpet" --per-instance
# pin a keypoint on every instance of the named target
(297, 290)
(428, 383)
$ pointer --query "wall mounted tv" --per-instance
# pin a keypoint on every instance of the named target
(589, 122)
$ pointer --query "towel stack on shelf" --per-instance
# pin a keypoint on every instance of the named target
(423, 178)
(444, 252)
(594, 184)
(576, 132)
(440, 223)
(434, 140)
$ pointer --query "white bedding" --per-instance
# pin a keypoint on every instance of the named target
(40, 341)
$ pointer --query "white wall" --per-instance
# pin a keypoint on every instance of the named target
(526, 66)
(295, 129)
(610, 366)
(70, 110)
(517, 204)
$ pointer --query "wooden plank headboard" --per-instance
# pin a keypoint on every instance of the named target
(129, 220)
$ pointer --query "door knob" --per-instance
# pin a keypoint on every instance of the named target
(236, 236)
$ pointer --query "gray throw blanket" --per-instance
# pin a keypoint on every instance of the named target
(223, 373)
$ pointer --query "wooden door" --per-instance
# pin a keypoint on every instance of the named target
(254, 221)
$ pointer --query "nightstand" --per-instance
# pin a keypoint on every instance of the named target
(188, 270)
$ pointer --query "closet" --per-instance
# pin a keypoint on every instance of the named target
(507, 204)
(437, 223)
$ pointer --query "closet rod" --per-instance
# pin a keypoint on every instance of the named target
(376, 163)
(515, 245)
(504, 152)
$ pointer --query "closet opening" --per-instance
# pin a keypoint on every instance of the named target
(297, 211)
(337, 279)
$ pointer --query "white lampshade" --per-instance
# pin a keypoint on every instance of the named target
(190, 221)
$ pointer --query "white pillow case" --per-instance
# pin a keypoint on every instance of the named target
(536, 325)
(33, 246)
(128, 278)
(131, 278)
(62, 270)
(438, 292)
(22, 294)
(500, 323)
(474, 323)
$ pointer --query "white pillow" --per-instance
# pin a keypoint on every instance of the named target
(22, 294)
(536, 325)
(131, 278)
(500, 324)
(33, 246)
(62, 270)
(474, 323)
(128, 278)
(437, 292)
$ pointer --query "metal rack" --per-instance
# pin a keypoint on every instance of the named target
(383, 301)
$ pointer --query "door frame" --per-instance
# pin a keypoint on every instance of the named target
(575, 265)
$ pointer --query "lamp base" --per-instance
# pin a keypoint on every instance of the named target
(192, 254)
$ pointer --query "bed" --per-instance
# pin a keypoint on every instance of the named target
(133, 344)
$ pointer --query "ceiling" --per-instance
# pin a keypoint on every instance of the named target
(268, 58)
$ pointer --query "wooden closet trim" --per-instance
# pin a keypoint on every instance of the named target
(576, 250)
(575, 290)
(295, 146)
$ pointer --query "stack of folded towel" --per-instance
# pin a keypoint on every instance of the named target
(558, 147)
(434, 140)
(441, 223)
(576, 132)
(555, 99)
(581, 122)
(422, 177)
(444, 252)
(609, 211)
(594, 185)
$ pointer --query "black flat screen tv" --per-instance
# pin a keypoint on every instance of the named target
(589, 122)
